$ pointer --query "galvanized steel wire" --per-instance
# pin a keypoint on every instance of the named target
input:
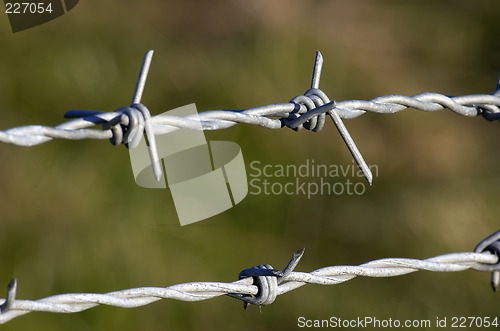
(273, 116)
(128, 124)
(259, 285)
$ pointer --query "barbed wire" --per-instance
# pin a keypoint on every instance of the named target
(128, 124)
(259, 285)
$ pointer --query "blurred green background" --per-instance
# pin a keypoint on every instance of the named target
(73, 219)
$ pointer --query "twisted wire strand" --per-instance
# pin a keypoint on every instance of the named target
(127, 125)
(198, 291)
(270, 116)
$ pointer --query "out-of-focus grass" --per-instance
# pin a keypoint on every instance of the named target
(73, 219)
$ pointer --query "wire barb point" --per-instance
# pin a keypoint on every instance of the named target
(318, 66)
(497, 89)
(293, 262)
(143, 76)
(136, 103)
(495, 280)
(351, 145)
(10, 297)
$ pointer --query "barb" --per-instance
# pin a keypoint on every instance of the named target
(136, 100)
(259, 285)
(491, 244)
(318, 65)
(127, 124)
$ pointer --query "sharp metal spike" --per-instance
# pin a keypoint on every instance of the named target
(318, 66)
(495, 280)
(11, 296)
(351, 146)
(143, 76)
(139, 89)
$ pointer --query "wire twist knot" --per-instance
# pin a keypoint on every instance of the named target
(309, 113)
(267, 279)
(128, 127)
(491, 244)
